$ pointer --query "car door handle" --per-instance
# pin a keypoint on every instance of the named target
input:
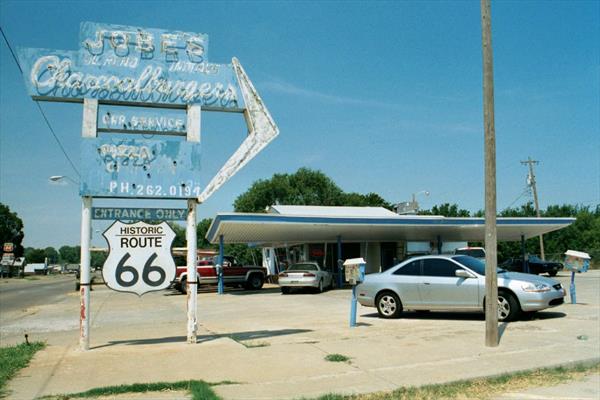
(426, 283)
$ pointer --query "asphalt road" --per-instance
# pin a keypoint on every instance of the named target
(18, 294)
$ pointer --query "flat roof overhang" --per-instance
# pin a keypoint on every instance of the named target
(277, 229)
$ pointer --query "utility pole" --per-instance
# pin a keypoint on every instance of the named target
(491, 277)
(531, 182)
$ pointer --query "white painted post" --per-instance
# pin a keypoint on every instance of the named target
(84, 274)
(193, 135)
(88, 130)
(192, 278)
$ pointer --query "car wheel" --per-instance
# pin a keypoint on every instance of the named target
(320, 289)
(388, 305)
(508, 307)
(285, 290)
(183, 286)
(552, 273)
(77, 286)
(255, 282)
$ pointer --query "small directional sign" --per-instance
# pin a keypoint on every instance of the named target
(139, 259)
(137, 214)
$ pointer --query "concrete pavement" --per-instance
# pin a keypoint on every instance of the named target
(274, 346)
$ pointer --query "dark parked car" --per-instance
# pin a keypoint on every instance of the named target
(536, 266)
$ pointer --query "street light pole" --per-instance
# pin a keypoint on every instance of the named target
(491, 280)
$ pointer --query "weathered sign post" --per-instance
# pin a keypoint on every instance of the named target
(145, 88)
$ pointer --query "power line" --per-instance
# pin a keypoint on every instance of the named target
(523, 193)
(60, 145)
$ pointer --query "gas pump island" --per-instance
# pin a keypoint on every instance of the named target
(143, 91)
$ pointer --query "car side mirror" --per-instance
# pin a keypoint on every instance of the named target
(461, 273)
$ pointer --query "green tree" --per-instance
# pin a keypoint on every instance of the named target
(33, 256)
(11, 229)
(70, 254)
(51, 254)
(583, 234)
(446, 210)
(364, 200)
(201, 230)
(304, 187)
(98, 258)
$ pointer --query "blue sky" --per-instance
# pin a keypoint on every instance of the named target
(383, 97)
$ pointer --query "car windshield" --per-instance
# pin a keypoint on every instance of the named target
(535, 259)
(474, 264)
(479, 253)
(303, 267)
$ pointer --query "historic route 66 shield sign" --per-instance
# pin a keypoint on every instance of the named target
(139, 259)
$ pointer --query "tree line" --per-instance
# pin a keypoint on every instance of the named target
(64, 255)
(311, 187)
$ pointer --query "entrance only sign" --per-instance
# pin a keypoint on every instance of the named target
(139, 259)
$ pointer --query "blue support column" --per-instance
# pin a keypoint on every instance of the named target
(220, 265)
(339, 262)
(353, 302)
(572, 288)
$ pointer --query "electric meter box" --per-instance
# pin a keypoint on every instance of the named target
(354, 269)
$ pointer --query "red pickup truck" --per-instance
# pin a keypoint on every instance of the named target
(250, 277)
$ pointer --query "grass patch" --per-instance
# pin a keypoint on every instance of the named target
(337, 358)
(14, 358)
(482, 388)
(199, 390)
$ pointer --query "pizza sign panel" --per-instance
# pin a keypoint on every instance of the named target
(139, 259)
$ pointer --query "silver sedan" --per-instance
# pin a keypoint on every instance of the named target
(455, 282)
(307, 275)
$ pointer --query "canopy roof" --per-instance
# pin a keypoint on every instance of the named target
(285, 225)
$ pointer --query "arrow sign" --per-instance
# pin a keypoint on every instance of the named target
(139, 259)
(261, 131)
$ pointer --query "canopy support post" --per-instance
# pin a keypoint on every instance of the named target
(340, 262)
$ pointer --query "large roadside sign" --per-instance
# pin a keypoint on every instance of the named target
(143, 91)
(139, 259)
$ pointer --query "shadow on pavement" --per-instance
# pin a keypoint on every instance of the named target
(467, 316)
(542, 315)
(227, 290)
(237, 336)
(242, 292)
(252, 335)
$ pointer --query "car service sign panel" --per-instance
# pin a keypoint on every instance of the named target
(139, 259)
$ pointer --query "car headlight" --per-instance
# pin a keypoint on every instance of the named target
(535, 287)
